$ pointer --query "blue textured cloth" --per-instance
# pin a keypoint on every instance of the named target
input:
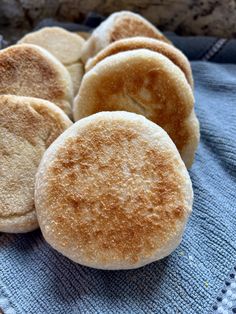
(34, 278)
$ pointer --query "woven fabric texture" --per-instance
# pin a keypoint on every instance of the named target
(34, 278)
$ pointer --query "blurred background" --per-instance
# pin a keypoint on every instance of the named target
(185, 17)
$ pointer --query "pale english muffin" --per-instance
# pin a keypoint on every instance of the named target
(119, 25)
(112, 192)
(84, 35)
(64, 45)
(29, 70)
(27, 127)
(147, 83)
(174, 54)
(76, 71)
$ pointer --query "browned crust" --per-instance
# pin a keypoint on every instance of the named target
(117, 83)
(28, 126)
(123, 24)
(175, 55)
(25, 71)
(108, 215)
(131, 26)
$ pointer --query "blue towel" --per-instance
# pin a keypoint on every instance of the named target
(34, 278)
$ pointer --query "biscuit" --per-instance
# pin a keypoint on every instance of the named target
(64, 45)
(27, 127)
(76, 71)
(147, 83)
(29, 70)
(174, 54)
(112, 192)
(119, 25)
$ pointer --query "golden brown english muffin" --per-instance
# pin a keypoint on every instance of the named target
(147, 83)
(64, 45)
(29, 70)
(174, 54)
(112, 192)
(119, 25)
(76, 71)
(27, 127)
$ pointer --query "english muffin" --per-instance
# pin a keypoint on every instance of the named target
(119, 25)
(112, 192)
(76, 71)
(64, 45)
(84, 35)
(27, 128)
(147, 83)
(29, 70)
(174, 54)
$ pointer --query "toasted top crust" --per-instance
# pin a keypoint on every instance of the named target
(174, 54)
(27, 127)
(119, 25)
(64, 45)
(144, 82)
(128, 24)
(29, 70)
(112, 192)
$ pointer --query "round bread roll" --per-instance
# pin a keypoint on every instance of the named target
(119, 25)
(76, 71)
(174, 54)
(64, 45)
(84, 35)
(147, 83)
(112, 192)
(27, 127)
(29, 70)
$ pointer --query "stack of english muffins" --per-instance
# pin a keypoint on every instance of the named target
(110, 190)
